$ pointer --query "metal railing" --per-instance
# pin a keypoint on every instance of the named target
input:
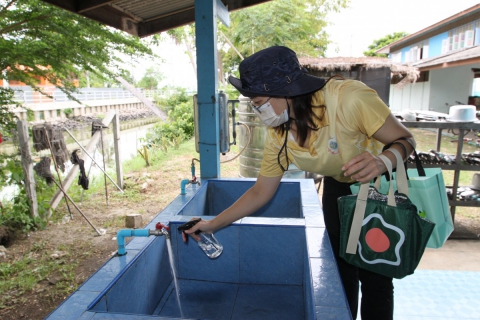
(27, 96)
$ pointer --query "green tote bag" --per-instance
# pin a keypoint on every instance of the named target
(427, 191)
(383, 233)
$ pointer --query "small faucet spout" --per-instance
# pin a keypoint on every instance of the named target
(159, 233)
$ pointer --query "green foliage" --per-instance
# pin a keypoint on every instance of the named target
(15, 213)
(38, 40)
(382, 42)
(68, 111)
(179, 96)
(179, 126)
(8, 120)
(297, 24)
(42, 41)
(151, 79)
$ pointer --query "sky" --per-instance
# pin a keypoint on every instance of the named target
(355, 28)
(351, 30)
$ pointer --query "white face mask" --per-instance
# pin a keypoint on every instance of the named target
(268, 116)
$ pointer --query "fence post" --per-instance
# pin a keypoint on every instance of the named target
(27, 165)
(116, 144)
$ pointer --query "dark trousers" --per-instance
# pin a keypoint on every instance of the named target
(377, 290)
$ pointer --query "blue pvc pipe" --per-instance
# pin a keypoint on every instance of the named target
(122, 234)
(183, 184)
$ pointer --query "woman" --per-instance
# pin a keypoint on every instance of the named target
(335, 128)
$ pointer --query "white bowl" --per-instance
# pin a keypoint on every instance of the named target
(462, 113)
(408, 115)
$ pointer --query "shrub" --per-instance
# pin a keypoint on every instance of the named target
(178, 128)
(15, 213)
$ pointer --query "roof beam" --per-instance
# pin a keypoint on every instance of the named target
(108, 13)
(240, 4)
(86, 5)
(450, 64)
(166, 22)
(104, 14)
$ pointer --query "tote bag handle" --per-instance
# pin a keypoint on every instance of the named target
(402, 180)
(361, 204)
(418, 163)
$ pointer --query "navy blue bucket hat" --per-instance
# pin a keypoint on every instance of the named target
(275, 72)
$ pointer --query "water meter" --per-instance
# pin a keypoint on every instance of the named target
(223, 122)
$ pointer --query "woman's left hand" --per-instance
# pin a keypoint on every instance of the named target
(364, 167)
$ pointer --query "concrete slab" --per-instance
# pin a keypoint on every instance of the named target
(458, 255)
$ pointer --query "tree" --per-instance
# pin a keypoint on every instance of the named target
(385, 41)
(297, 24)
(151, 79)
(38, 40)
(186, 35)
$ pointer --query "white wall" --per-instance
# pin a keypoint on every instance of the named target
(450, 85)
(444, 88)
(413, 96)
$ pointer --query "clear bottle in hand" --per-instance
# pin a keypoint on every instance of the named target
(208, 243)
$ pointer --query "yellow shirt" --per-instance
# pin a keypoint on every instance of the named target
(353, 113)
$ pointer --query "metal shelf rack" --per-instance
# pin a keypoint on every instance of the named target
(462, 127)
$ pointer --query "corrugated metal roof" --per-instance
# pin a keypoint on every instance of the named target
(464, 56)
(142, 17)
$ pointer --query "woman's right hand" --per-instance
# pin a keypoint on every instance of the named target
(205, 226)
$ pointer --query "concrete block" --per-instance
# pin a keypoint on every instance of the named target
(133, 221)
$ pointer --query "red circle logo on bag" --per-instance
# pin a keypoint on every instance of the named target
(378, 242)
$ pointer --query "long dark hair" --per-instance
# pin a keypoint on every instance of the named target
(304, 117)
(304, 114)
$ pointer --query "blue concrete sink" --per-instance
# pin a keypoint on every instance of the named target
(217, 195)
(276, 264)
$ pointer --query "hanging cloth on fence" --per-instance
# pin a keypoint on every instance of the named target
(83, 178)
(57, 141)
(42, 169)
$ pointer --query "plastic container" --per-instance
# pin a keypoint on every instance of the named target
(462, 113)
(210, 245)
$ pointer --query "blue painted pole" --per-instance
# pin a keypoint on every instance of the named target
(207, 86)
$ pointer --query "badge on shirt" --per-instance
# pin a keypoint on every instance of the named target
(332, 145)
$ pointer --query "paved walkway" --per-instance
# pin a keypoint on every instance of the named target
(446, 284)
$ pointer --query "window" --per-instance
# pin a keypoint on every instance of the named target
(423, 76)
(445, 45)
(459, 38)
(418, 51)
(397, 56)
(476, 82)
(469, 38)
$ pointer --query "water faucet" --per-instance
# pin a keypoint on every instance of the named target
(160, 230)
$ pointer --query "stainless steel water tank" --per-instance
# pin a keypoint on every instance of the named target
(251, 159)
